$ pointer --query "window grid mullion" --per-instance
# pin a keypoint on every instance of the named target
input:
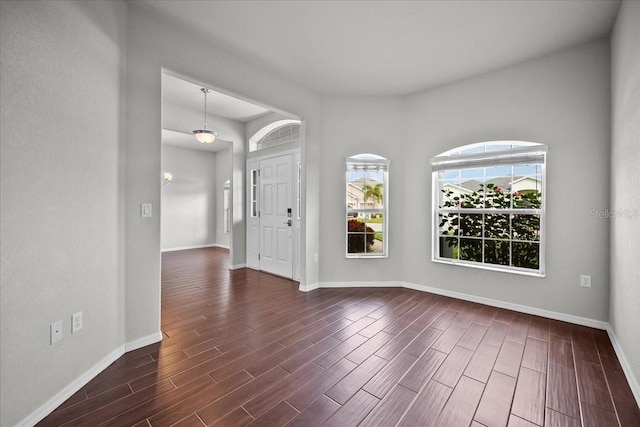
(530, 231)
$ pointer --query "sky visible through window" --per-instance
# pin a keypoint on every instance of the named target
(370, 175)
(478, 174)
(487, 174)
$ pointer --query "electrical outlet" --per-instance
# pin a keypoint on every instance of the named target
(76, 322)
(56, 332)
(585, 281)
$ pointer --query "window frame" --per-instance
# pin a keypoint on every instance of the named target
(520, 153)
(226, 207)
(299, 189)
(368, 160)
(254, 175)
(261, 141)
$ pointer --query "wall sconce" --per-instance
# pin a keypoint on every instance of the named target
(168, 177)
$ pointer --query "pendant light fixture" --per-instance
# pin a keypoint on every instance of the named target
(204, 135)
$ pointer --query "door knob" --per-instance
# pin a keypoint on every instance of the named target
(288, 223)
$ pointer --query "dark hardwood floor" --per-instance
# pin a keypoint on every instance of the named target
(243, 347)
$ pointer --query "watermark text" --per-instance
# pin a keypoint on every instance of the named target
(614, 213)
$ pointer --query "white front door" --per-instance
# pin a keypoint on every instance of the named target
(276, 215)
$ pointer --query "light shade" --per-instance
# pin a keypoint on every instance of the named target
(205, 136)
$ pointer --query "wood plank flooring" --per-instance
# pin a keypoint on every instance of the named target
(247, 348)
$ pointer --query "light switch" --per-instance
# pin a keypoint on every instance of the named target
(145, 210)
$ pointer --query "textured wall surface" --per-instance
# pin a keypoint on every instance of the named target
(561, 100)
(625, 183)
(61, 219)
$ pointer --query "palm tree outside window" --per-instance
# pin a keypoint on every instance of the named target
(367, 206)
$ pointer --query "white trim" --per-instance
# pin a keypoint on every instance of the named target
(391, 284)
(490, 267)
(531, 152)
(68, 391)
(483, 144)
(309, 287)
(578, 320)
(237, 266)
(624, 362)
(71, 388)
(143, 342)
(273, 154)
(184, 248)
(570, 318)
(266, 129)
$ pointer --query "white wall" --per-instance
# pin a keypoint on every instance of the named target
(153, 45)
(625, 183)
(350, 126)
(61, 219)
(561, 100)
(189, 203)
(230, 133)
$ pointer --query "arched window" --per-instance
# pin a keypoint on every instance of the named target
(489, 206)
(276, 133)
(367, 200)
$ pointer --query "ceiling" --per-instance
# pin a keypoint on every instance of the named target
(187, 95)
(389, 47)
(187, 140)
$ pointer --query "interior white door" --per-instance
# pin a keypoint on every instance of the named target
(276, 217)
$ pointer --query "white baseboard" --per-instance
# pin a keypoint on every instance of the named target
(394, 284)
(237, 266)
(578, 320)
(142, 342)
(183, 248)
(68, 391)
(308, 288)
(60, 397)
(624, 362)
(584, 321)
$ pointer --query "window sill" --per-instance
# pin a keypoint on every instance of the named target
(521, 272)
(366, 256)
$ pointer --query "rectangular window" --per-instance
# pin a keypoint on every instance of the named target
(254, 193)
(367, 206)
(299, 192)
(489, 208)
(226, 204)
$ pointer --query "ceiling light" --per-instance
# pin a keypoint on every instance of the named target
(204, 135)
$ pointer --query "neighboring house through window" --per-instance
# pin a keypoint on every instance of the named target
(489, 206)
(367, 206)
